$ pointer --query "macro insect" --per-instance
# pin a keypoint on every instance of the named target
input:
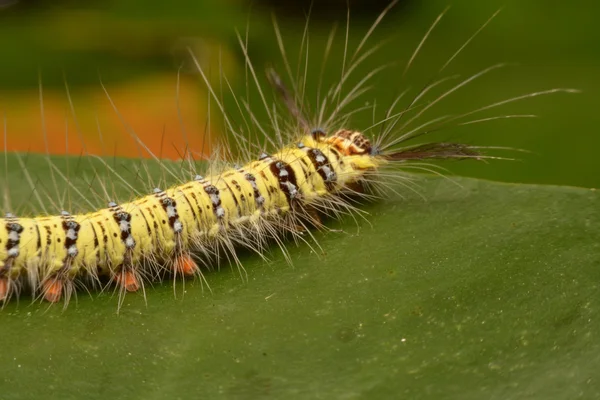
(313, 167)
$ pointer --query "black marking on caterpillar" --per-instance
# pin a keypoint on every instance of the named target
(14, 230)
(258, 197)
(287, 179)
(215, 199)
(323, 167)
(71, 229)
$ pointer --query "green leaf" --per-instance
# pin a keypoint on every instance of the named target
(483, 290)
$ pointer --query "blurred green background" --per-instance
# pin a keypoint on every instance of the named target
(554, 44)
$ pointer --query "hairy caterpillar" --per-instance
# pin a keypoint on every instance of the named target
(308, 171)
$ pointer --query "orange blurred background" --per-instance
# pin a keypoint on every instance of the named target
(148, 107)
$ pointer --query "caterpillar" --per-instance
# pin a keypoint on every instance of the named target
(314, 167)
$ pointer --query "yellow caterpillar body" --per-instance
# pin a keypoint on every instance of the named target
(128, 242)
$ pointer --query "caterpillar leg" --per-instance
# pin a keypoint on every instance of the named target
(9, 287)
(313, 217)
(4, 288)
(309, 217)
(185, 265)
(127, 280)
(52, 290)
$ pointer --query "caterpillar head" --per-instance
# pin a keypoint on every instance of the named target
(350, 143)
(357, 152)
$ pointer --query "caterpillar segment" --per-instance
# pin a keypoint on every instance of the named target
(168, 230)
(13, 239)
(125, 273)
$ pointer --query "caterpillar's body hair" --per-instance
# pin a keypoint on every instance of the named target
(311, 171)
